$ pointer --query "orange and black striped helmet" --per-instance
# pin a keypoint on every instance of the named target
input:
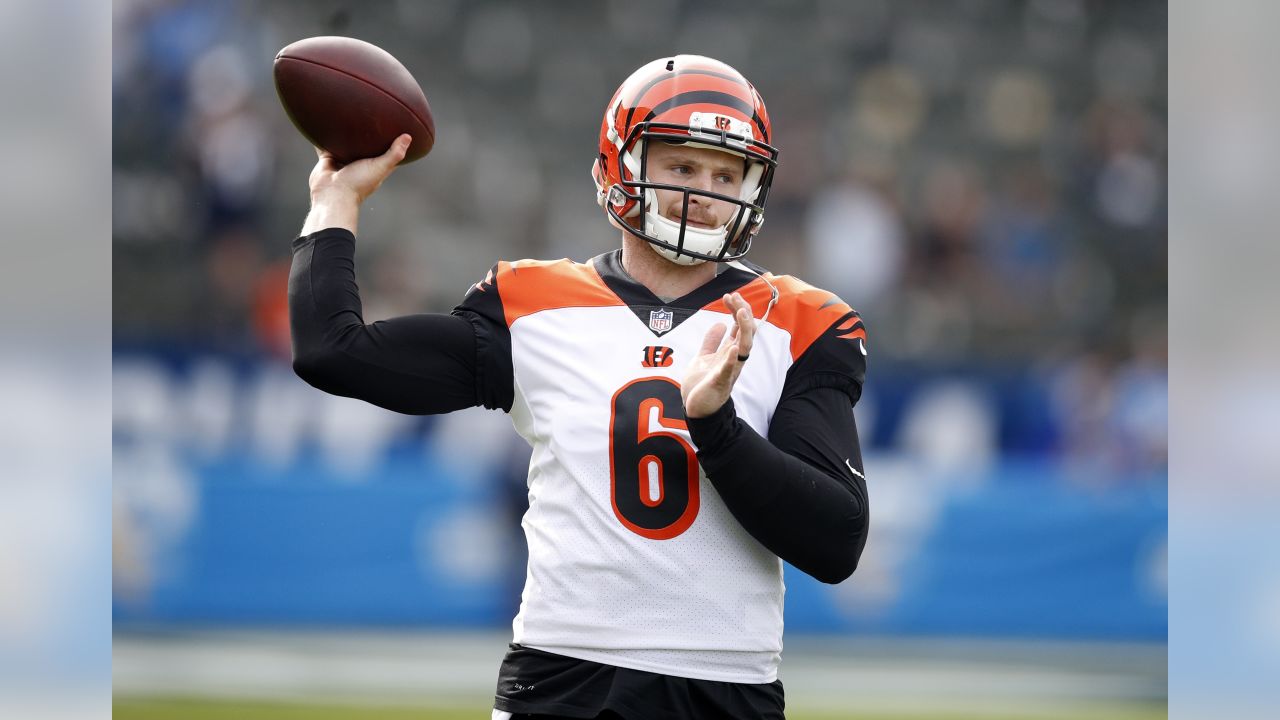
(685, 99)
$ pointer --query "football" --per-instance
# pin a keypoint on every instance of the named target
(352, 98)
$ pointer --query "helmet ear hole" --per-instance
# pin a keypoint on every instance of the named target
(597, 174)
(631, 160)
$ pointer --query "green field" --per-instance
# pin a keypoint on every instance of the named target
(198, 709)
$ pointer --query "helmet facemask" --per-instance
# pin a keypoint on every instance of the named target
(633, 202)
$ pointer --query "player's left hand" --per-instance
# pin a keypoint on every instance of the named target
(713, 372)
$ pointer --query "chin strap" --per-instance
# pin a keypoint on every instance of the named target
(773, 291)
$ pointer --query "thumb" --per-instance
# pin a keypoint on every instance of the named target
(399, 148)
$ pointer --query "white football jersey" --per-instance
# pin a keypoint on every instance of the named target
(634, 560)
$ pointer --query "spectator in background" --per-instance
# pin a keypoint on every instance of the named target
(271, 311)
(1141, 416)
(938, 316)
(233, 262)
(1019, 250)
(855, 238)
(1114, 411)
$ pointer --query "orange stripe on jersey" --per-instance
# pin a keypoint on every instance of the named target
(757, 295)
(530, 286)
(807, 312)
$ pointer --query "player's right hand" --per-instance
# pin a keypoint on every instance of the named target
(357, 180)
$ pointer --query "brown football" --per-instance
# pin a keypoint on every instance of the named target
(352, 98)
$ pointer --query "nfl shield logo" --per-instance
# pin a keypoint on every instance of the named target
(660, 320)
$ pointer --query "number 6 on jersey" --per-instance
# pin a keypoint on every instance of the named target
(653, 470)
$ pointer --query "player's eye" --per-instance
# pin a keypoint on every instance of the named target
(681, 169)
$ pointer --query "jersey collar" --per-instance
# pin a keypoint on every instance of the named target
(644, 303)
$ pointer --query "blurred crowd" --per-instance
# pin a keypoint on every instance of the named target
(985, 180)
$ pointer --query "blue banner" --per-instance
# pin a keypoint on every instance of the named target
(245, 497)
(1019, 557)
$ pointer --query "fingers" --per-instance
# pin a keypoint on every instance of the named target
(711, 341)
(734, 341)
(712, 375)
(747, 335)
(392, 157)
(744, 327)
(726, 372)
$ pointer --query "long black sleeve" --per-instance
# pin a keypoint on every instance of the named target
(800, 492)
(416, 364)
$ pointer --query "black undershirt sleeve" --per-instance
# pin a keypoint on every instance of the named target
(416, 364)
(800, 492)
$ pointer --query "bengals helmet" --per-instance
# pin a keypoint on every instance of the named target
(693, 100)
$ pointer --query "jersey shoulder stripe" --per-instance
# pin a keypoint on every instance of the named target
(807, 312)
(530, 286)
(756, 293)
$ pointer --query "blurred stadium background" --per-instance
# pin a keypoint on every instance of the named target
(984, 180)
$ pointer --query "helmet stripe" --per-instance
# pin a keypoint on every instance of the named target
(635, 101)
(683, 73)
(710, 97)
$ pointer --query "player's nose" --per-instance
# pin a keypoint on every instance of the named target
(701, 181)
(704, 181)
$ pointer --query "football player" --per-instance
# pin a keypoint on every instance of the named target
(690, 413)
